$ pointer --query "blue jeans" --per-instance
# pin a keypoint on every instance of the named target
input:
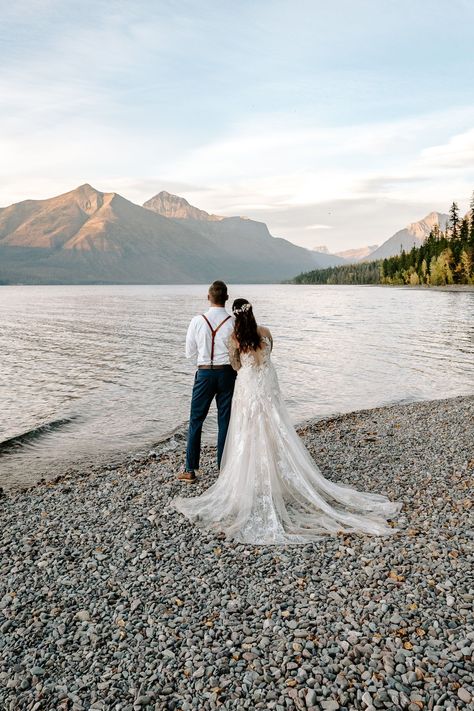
(209, 384)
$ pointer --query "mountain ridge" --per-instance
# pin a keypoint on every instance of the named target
(86, 235)
(412, 235)
(89, 236)
(174, 206)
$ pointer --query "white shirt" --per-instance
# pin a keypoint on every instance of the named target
(199, 337)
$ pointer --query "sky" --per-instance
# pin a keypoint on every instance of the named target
(336, 123)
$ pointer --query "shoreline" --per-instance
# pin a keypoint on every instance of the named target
(433, 287)
(175, 440)
(425, 287)
(111, 600)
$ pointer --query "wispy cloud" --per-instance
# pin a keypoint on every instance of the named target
(319, 227)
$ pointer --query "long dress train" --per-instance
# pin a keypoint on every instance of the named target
(270, 490)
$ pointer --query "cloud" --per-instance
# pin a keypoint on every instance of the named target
(319, 227)
(457, 152)
(354, 222)
(296, 164)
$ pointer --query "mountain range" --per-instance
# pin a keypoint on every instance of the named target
(349, 255)
(88, 236)
(411, 236)
(358, 253)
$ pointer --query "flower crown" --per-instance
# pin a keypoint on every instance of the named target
(242, 309)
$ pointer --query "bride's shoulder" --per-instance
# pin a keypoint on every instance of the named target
(265, 332)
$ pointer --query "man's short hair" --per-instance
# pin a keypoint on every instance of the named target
(218, 292)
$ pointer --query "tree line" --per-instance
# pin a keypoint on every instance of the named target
(445, 257)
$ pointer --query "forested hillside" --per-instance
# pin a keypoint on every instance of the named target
(445, 257)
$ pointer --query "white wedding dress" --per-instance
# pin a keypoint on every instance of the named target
(270, 490)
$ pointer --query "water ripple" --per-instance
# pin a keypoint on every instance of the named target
(112, 358)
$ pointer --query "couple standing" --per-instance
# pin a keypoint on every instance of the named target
(269, 489)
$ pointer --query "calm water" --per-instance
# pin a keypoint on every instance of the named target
(105, 364)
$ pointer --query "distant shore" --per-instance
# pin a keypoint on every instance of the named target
(446, 287)
(110, 599)
(410, 287)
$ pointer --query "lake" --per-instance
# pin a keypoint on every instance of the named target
(90, 372)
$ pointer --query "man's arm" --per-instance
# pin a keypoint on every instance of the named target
(191, 343)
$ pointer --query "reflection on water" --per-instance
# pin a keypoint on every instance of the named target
(107, 361)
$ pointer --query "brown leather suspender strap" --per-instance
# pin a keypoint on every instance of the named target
(213, 333)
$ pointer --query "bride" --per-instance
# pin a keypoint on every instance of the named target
(270, 490)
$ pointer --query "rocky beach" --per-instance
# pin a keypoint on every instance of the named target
(110, 600)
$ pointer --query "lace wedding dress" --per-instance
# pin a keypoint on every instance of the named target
(270, 490)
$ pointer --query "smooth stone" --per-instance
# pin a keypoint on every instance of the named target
(37, 671)
(83, 615)
(464, 695)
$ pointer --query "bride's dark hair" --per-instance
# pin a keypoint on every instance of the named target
(245, 326)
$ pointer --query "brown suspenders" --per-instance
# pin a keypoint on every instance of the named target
(213, 333)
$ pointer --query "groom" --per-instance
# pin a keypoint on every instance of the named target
(206, 341)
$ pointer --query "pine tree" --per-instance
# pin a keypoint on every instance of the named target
(471, 234)
(454, 220)
(458, 241)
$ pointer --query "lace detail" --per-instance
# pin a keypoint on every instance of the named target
(234, 355)
(259, 358)
(270, 490)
